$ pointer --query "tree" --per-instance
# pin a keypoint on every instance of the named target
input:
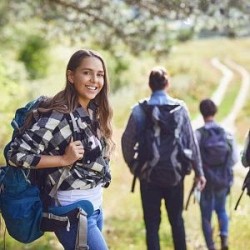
(138, 24)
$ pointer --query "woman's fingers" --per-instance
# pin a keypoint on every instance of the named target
(74, 151)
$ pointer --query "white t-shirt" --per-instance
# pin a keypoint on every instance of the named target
(94, 195)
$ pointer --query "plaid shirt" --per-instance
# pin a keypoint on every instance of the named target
(50, 135)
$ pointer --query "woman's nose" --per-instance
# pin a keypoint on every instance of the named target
(93, 78)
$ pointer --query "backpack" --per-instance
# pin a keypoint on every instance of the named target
(215, 153)
(214, 146)
(160, 157)
(21, 205)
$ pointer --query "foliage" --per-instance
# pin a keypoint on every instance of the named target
(34, 54)
(117, 66)
(13, 92)
(184, 35)
(145, 25)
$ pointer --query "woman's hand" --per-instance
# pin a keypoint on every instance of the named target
(73, 152)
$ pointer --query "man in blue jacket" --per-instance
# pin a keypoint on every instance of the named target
(151, 193)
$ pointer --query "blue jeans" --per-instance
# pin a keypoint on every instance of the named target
(213, 200)
(151, 196)
(95, 239)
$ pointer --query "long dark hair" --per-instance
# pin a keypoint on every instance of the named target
(66, 100)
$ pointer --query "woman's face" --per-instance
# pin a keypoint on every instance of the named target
(88, 79)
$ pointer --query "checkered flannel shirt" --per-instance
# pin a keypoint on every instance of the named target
(50, 135)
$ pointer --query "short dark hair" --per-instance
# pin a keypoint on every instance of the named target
(208, 108)
(158, 78)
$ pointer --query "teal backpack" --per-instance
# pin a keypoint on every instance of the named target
(21, 205)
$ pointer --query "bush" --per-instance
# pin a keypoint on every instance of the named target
(34, 54)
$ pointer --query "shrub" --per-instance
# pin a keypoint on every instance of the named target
(34, 54)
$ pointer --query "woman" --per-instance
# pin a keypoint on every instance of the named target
(47, 142)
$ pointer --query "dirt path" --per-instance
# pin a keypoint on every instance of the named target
(219, 94)
(241, 98)
(227, 71)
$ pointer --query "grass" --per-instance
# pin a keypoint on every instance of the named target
(231, 95)
(192, 78)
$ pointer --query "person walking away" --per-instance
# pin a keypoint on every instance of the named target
(245, 157)
(157, 186)
(219, 154)
(47, 143)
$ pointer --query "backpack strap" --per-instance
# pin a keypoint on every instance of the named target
(75, 128)
(81, 238)
(65, 172)
(246, 185)
(143, 107)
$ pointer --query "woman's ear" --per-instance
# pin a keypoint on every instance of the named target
(70, 76)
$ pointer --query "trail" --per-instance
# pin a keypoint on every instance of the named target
(219, 94)
(229, 121)
(241, 98)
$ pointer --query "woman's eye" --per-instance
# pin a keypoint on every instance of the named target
(100, 75)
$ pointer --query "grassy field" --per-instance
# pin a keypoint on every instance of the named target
(193, 78)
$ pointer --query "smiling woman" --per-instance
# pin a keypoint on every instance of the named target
(88, 79)
(81, 166)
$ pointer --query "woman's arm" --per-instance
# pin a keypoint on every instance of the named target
(73, 152)
(46, 144)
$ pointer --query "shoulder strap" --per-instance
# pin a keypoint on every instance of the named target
(66, 170)
(144, 107)
(76, 129)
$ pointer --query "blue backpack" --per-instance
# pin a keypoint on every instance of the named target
(214, 146)
(215, 154)
(21, 205)
(20, 202)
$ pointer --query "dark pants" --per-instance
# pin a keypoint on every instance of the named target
(151, 197)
